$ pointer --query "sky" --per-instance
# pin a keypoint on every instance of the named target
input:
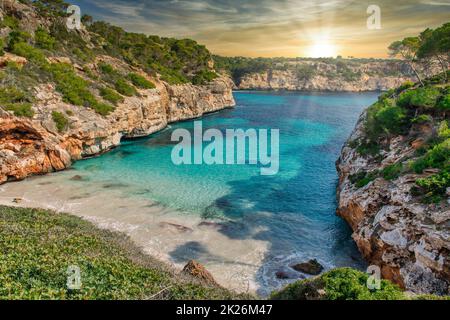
(275, 28)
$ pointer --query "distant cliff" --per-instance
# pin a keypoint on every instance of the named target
(303, 74)
(394, 187)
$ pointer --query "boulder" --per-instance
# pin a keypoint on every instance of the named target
(198, 271)
(312, 267)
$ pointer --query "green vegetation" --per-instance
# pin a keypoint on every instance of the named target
(60, 120)
(111, 95)
(107, 69)
(204, 77)
(405, 108)
(44, 40)
(38, 247)
(75, 89)
(177, 61)
(437, 157)
(305, 72)
(363, 178)
(2, 46)
(339, 284)
(433, 188)
(140, 81)
(28, 51)
(392, 171)
(15, 100)
(123, 87)
(423, 98)
(10, 22)
(423, 118)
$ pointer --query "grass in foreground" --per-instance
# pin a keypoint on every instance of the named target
(345, 284)
(38, 246)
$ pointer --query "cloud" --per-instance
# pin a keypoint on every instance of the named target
(272, 27)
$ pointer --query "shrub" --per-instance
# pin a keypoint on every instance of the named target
(15, 100)
(18, 37)
(436, 157)
(305, 72)
(2, 45)
(111, 95)
(29, 52)
(444, 130)
(10, 22)
(339, 284)
(363, 178)
(21, 109)
(84, 54)
(444, 103)
(392, 172)
(204, 77)
(44, 40)
(75, 89)
(368, 149)
(102, 108)
(433, 188)
(384, 118)
(60, 120)
(423, 118)
(107, 69)
(424, 98)
(406, 85)
(141, 82)
(89, 73)
(124, 88)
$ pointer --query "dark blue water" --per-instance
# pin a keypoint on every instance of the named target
(293, 211)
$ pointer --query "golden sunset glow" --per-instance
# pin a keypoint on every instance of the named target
(322, 49)
(272, 28)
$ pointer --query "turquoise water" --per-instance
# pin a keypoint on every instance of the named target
(293, 211)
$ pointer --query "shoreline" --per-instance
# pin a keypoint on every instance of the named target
(158, 231)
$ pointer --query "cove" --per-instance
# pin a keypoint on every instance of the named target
(243, 226)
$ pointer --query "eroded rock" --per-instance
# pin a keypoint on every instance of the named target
(196, 270)
(312, 267)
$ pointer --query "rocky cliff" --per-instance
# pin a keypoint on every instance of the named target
(394, 187)
(35, 146)
(321, 74)
(288, 80)
(67, 94)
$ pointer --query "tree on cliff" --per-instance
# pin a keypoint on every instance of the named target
(435, 44)
(407, 49)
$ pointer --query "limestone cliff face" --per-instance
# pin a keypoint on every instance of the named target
(356, 77)
(408, 240)
(34, 146)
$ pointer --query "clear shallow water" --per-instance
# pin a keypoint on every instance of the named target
(243, 226)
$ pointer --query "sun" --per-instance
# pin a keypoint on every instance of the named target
(322, 49)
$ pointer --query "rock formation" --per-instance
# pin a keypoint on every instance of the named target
(34, 146)
(407, 239)
(196, 270)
